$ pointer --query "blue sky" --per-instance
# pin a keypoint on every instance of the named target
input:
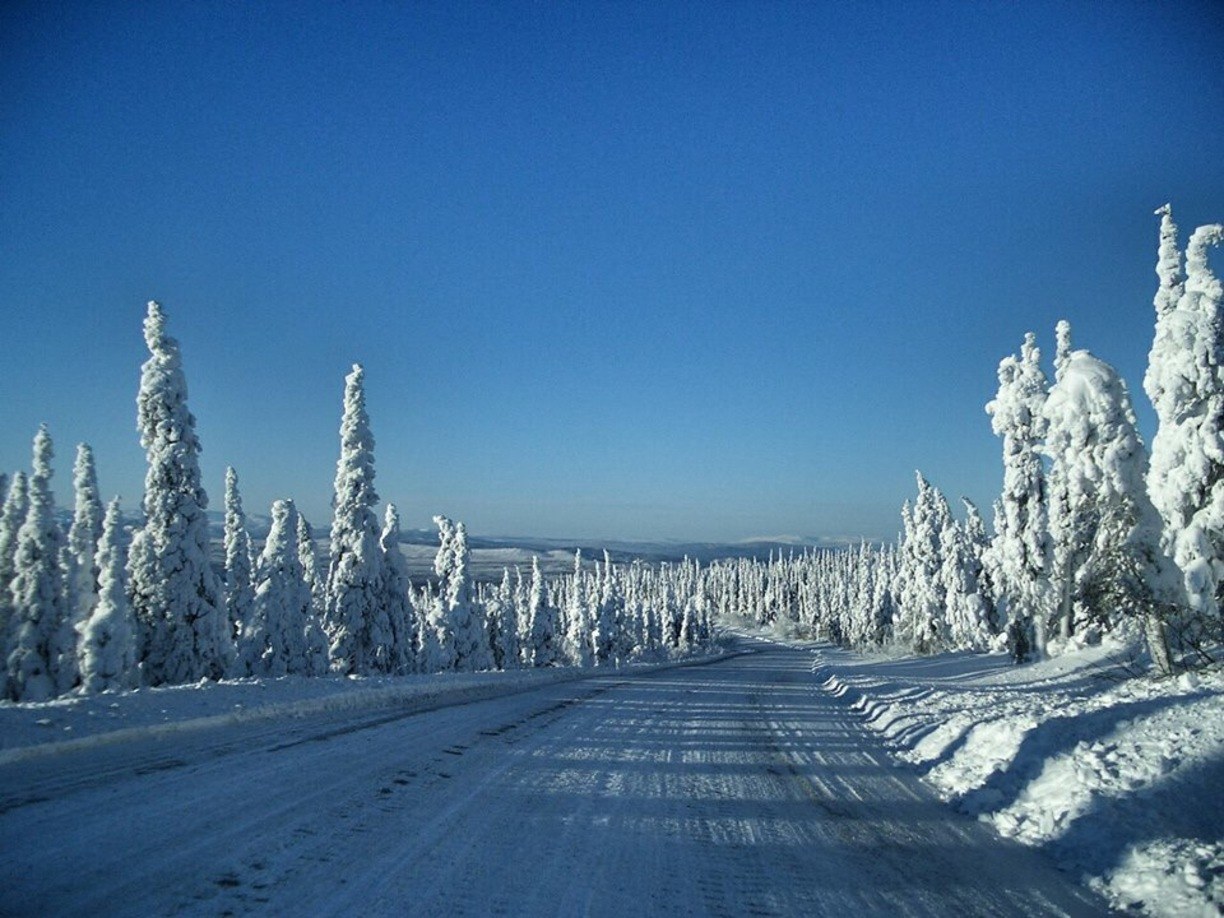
(693, 271)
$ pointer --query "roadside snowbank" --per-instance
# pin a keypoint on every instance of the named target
(79, 721)
(1118, 776)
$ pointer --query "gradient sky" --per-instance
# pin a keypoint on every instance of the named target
(629, 270)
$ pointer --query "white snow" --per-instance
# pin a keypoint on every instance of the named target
(735, 788)
(1117, 776)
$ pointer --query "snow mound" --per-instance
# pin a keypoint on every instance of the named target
(1116, 775)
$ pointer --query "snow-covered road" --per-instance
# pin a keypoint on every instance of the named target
(730, 788)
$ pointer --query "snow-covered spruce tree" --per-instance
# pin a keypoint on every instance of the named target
(503, 625)
(16, 505)
(37, 590)
(578, 643)
(466, 623)
(77, 563)
(274, 639)
(1186, 386)
(921, 624)
(540, 641)
(1020, 555)
(316, 585)
(239, 591)
(605, 637)
(84, 533)
(176, 596)
(107, 650)
(397, 586)
(1108, 563)
(966, 612)
(354, 597)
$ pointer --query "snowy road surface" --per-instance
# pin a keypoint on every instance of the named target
(731, 788)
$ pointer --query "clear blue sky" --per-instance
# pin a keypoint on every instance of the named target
(636, 270)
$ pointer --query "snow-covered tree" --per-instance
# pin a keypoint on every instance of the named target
(274, 639)
(16, 505)
(1186, 385)
(466, 623)
(605, 638)
(503, 625)
(921, 623)
(1020, 555)
(354, 599)
(316, 585)
(37, 590)
(578, 644)
(85, 531)
(397, 588)
(540, 637)
(176, 596)
(1108, 563)
(970, 603)
(107, 657)
(239, 591)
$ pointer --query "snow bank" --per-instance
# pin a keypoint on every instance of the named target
(1117, 776)
(75, 722)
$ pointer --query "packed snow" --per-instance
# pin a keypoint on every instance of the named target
(1117, 775)
(731, 787)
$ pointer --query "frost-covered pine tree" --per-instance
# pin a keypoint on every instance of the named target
(921, 623)
(176, 596)
(274, 637)
(578, 644)
(37, 590)
(77, 562)
(85, 531)
(397, 588)
(540, 640)
(969, 607)
(1020, 555)
(1108, 563)
(316, 585)
(107, 656)
(503, 625)
(1186, 386)
(466, 622)
(16, 505)
(354, 598)
(606, 632)
(239, 591)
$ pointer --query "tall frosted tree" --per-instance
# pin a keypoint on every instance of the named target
(578, 643)
(968, 599)
(921, 623)
(176, 596)
(274, 639)
(316, 584)
(540, 639)
(466, 621)
(1186, 386)
(85, 531)
(1108, 562)
(39, 606)
(107, 657)
(1020, 555)
(398, 589)
(354, 595)
(239, 591)
(16, 504)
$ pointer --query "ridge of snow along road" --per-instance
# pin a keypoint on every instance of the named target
(1117, 777)
(75, 722)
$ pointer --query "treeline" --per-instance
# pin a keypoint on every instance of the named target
(108, 605)
(1091, 534)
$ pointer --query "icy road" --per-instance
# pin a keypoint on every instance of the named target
(729, 788)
